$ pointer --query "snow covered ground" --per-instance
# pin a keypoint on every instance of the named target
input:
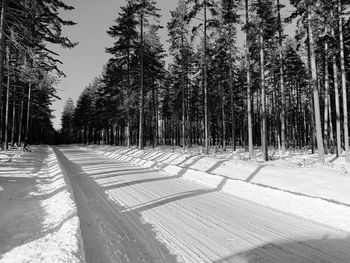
(174, 208)
(296, 184)
(141, 214)
(38, 216)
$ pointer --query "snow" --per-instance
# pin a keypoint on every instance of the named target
(311, 191)
(167, 206)
(196, 223)
(38, 219)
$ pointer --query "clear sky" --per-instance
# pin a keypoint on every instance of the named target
(84, 62)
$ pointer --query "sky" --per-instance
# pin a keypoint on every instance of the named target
(85, 62)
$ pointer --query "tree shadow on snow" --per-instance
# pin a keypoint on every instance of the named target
(22, 211)
(326, 250)
(177, 197)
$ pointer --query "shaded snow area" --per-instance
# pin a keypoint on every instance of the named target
(134, 211)
(311, 191)
(38, 217)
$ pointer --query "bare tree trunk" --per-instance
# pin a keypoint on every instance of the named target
(26, 140)
(206, 132)
(326, 98)
(183, 92)
(7, 97)
(154, 118)
(343, 78)
(20, 122)
(128, 133)
(331, 130)
(141, 88)
(2, 41)
(223, 117)
(233, 117)
(13, 118)
(315, 92)
(337, 103)
(249, 101)
(263, 98)
(283, 114)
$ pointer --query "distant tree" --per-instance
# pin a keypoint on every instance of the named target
(67, 121)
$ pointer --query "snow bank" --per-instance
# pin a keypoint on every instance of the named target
(47, 227)
(315, 193)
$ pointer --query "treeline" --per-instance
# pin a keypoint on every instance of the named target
(28, 68)
(278, 91)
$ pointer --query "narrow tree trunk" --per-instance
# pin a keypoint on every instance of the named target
(7, 97)
(183, 93)
(315, 92)
(26, 140)
(312, 115)
(154, 117)
(263, 99)
(233, 118)
(128, 106)
(206, 131)
(283, 122)
(326, 98)
(223, 117)
(331, 130)
(337, 103)
(343, 78)
(20, 122)
(249, 101)
(13, 118)
(141, 89)
(2, 41)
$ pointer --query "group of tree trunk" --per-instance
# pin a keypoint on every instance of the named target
(28, 69)
(281, 92)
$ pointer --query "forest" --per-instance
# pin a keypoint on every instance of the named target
(273, 92)
(29, 69)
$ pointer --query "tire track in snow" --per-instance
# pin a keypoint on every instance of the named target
(108, 234)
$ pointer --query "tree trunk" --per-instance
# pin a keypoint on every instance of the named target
(315, 92)
(326, 98)
(331, 131)
(206, 132)
(128, 133)
(183, 94)
(2, 41)
(7, 97)
(283, 122)
(20, 122)
(343, 78)
(13, 118)
(249, 100)
(263, 99)
(26, 140)
(337, 103)
(154, 118)
(233, 118)
(141, 89)
(223, 117)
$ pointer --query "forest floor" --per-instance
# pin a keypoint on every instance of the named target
(38, 217)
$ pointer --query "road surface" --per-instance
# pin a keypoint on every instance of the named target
(135, 214)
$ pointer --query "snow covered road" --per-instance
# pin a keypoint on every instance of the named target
(134, 214)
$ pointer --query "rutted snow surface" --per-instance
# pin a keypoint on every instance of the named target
(136, 210)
